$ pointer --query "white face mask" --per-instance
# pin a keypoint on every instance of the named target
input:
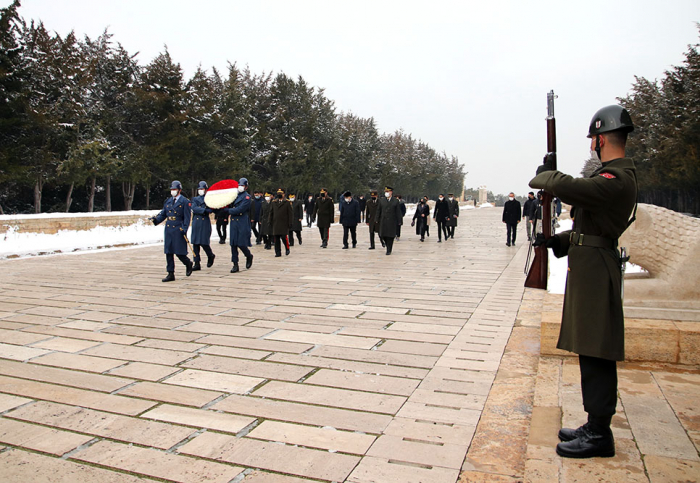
(594, 155)
(291, 198)
(348, 200)
(511, 198)
(451, 198)
(201, 192)
(241, 189)
(441, 198)
(267, 198)
(174, 193)
(388, 194)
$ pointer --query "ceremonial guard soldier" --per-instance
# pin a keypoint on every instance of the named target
(453, 205)
(592, 323)
(349, 217)
(266, 230)
(281, 222)
(240, 226)
(324, 214)
(371, 217)
(177, 210)
(388, 215)
(201, 227)
(297, 218)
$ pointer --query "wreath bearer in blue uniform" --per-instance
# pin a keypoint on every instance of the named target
(176, 213)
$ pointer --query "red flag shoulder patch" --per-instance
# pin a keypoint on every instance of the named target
(247, 197)
(189, 204)
(608, 175)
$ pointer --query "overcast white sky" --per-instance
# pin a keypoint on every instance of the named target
(469, 78)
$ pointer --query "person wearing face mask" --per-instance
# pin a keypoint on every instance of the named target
(511, 217)
(592, 323)
(309, 209)
(201, 227)
(177, 210)
(324, 214)
(240, 226)
(281, 222)
(421, 218)
(255, 213)
(388, 215)
(363, 204)
(371, 217)
(529, 214)
(349, 218)
(441, 214)
(266, 230)
(403, 213)
(453, 205)
(297, 219)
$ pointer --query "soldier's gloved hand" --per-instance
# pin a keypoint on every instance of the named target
(153, 220)
(551, 242)
(413, 223)
(547, 163)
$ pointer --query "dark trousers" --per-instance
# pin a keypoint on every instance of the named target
(325, 232)
(599, 389)
(170, 261)
(267, 239)
(451, 231)
(234, 252)
(442, 229)
(257, 229)
(278, 244)
(353, 232)
(389, 241)
(308, 219)
(291, 237)
(398, 231)
(221, 229)
(512, 230)
(372, 231)
(207, 250)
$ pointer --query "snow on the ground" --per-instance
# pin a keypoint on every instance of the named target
(31, 244)
(558, 266)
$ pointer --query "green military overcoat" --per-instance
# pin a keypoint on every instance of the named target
(592, 319)
(388, 216)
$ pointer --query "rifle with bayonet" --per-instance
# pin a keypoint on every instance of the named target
(537, 275)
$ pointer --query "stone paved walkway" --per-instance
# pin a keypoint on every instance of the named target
(327, 365)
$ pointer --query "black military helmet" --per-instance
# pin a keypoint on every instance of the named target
(176, 185)
(203, 185)
(610, 118)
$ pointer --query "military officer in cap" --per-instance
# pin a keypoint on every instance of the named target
(371, 217)
(280, 222)
(177, 210)
(592, 319)
(324, 214)
(201, 227)
(239, 232)
(388, 216)
(453, 206)
(297, 218)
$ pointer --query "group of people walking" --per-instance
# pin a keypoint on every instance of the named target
(278, 220)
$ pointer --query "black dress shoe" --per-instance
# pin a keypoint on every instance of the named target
(249, 261)
(439, 241)
(221, 242)
(345, 247)
(589, 444)
(234, 269)
(569, 434)
(188, 270)
(278, 254)
(169, 277)
(196, 267)
(299, 241)
(371, 248)
(210, 260)
(508, 244)
(354, 245)
(286, 252)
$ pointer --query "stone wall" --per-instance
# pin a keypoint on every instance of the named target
(50, 224)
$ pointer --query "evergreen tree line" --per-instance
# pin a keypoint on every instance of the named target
(83, 126)
(665, 143)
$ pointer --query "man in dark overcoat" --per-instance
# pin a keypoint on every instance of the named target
(309, 205)
(421, 218)
(177, 210)
(402, 205)
(255, 216)
(388, 215)
(349, 217)
(266, 230)
(297, 218)
(453, 205)
(221, 216)
(201, 227)
(371, 217)
(529, 214)
(280, 222)
(363, 204)
(240, 226)
(511, 217)
(441, 214)
(324, 214)
(592, 324)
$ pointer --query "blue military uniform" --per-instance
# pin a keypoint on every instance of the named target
(201, 231)
(239, 227)
(176, 213)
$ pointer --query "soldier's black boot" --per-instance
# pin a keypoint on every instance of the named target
(569, 434)
(170, 277)
(249, 261)
(188, 270)
(235, 268)
(299, 237)
(196, 266)
(210, 260)
(590, 442)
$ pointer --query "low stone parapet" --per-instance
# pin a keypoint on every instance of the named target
(50, 223)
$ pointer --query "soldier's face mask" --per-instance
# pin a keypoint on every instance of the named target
(174, 193)
(241, 189)
(267, 198)
(201, 192)
(388, 194)
(291, 198)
